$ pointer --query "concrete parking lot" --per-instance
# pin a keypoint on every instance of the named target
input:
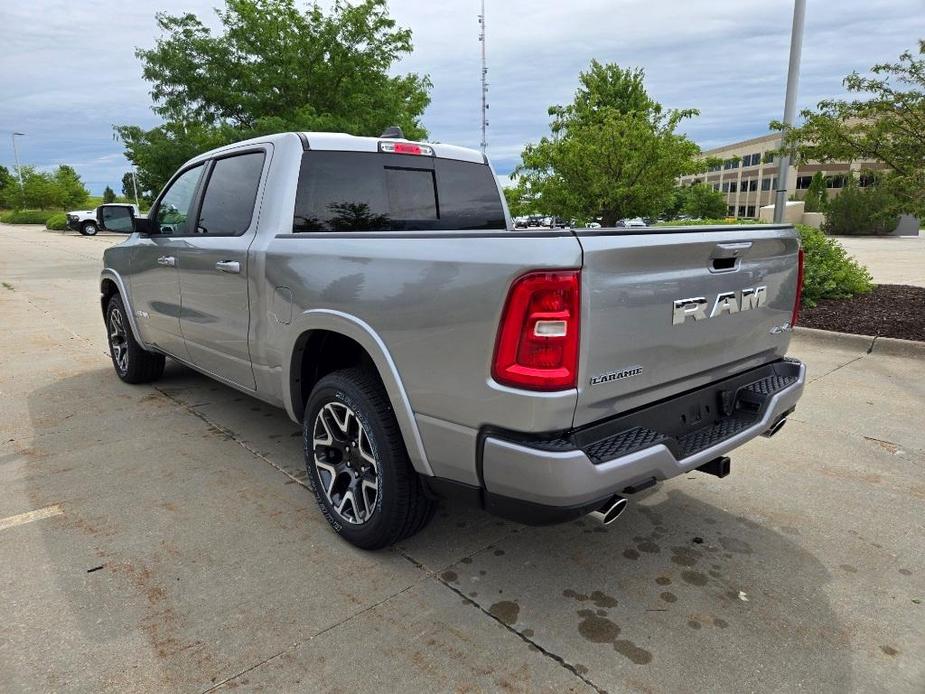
(159, 538)
(890, 259)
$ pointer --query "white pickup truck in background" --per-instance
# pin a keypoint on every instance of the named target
(85, 221)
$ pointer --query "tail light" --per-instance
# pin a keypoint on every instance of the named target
(537, 345)
(796, 301)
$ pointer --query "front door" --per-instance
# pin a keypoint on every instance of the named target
(215, 315)
(154, 279)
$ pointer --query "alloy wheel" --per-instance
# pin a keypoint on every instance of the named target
(118, 341)
(345, 462)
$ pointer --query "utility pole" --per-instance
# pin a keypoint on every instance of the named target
(22, 190)
(790, 105)
(135, 187)
(484, 78)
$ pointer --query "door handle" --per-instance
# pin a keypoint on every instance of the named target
(232, 266)
(167, 260)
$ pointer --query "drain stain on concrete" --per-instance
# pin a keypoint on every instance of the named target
(597, 629)
(638, 655)
(506, 611)
(695, 578)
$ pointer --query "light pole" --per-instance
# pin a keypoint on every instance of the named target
(790, 105)
(22, 190)
(135, 187)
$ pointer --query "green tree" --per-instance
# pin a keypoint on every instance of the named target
(273, 67)
(886, 123)
(71, 192)
(702, 202)
(9, 188)
(816, 198)
(109, 195)
(612, 153)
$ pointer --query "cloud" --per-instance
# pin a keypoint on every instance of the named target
(68, 70)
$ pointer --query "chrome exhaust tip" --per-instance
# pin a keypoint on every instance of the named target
(777, 426)
(610, 511)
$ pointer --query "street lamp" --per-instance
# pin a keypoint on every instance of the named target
(22, 190)
(790, 105)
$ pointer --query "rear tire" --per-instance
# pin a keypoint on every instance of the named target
(133, 364)
(357, 464)
(88, 229)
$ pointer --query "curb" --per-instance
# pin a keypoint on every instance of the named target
(889, 346)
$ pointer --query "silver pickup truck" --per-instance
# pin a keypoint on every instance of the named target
(376, 289)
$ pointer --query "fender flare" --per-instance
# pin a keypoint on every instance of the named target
(361, 332)
(110, 274)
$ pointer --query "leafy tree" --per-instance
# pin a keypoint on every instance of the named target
(71, 191)
(702, 202)
(816, 197)
(9, 188)
(520, 202)
(273, 67)
(886, 123)
(612, 153)
(109, 195)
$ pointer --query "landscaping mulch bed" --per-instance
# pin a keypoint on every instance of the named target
(890, 310)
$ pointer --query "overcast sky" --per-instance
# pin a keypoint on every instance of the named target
(68, 72)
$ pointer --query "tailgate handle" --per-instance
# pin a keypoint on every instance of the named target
(731, 250)
(726, 256)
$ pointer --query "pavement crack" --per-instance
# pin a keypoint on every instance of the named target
(841, 366)
(555, 657)
(229, 434)
(324, 631)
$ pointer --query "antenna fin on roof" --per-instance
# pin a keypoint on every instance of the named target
(394, 132)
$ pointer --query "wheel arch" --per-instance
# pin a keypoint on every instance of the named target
(324, 341)
(111, 284)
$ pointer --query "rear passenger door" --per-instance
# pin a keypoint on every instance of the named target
(213, 267)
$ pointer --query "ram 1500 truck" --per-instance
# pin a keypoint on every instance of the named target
(376, 289)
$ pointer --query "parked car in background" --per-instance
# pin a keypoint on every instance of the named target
(376, 290)
(635, 222)
(87, 222)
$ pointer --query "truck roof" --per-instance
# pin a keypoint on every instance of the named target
(342, 142)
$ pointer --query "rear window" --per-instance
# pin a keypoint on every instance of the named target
(367, 191)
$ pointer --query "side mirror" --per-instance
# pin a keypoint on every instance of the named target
(120, 219)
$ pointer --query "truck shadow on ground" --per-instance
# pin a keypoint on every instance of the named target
(678, 593)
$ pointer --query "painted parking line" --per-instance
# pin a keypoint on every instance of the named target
(29, 516)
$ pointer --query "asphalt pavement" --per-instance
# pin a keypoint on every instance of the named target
(159, 538)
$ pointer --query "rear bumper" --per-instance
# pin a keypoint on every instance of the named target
(547, 480)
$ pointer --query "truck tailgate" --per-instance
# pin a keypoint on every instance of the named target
(663, 311)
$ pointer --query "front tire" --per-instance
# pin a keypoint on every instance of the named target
(133, 364)
(88, 229)
(357, 464)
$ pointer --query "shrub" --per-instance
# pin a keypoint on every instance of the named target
(57, 222)
(26, 216)
(829, 272)
(861, 211)
(816, 198)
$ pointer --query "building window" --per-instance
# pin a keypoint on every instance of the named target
(731, 164)
(767, 183)
(716, 186)
(731, 211)
(750, 211)
(751, 159)
(768, 157)
(835, 181)
(803, 182)
(750, 185)
(867, 179)
(741, 210)
(733, 186)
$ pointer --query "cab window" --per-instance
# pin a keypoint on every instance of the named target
(173, 210)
